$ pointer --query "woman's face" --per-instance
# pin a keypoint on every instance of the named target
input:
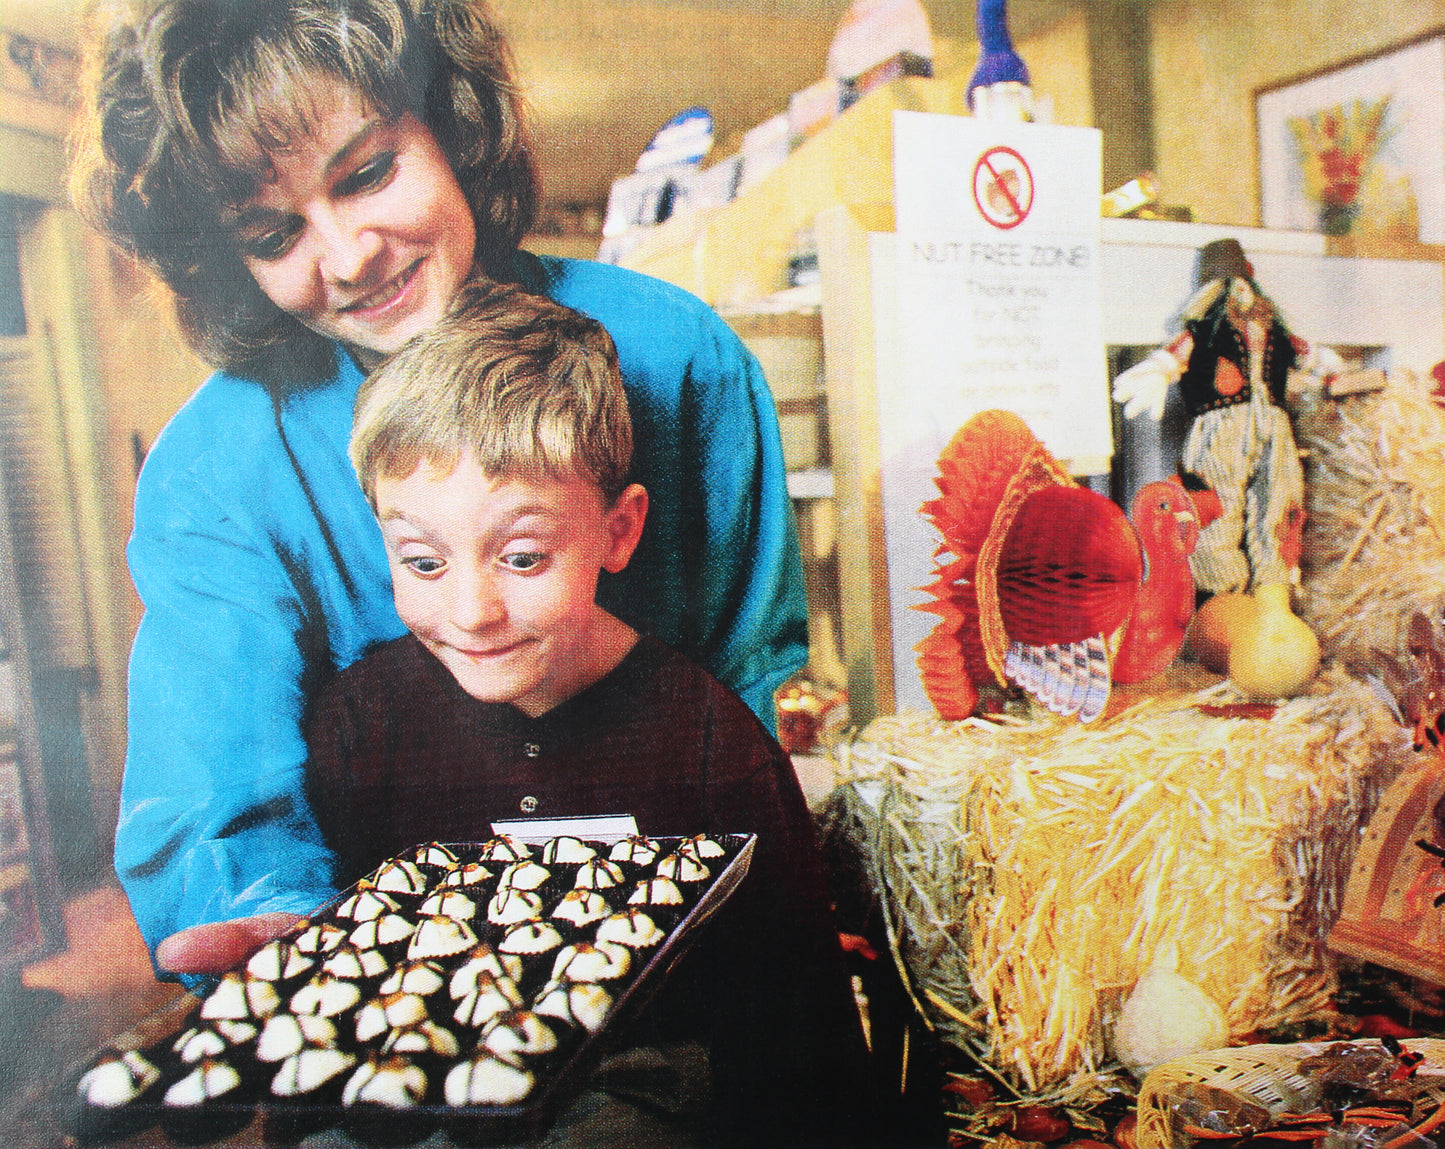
(360, 230)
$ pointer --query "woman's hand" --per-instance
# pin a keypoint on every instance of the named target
(216, 947)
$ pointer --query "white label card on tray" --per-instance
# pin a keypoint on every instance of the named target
(598, 828)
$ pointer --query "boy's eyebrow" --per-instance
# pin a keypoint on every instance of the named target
(392, 515)
(526, 511)
(537, 510)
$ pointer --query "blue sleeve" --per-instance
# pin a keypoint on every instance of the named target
(751, 576)
(214, 822)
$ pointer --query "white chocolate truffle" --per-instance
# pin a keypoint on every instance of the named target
(566, 850)
(682, 867)
(240, 998)
(467, 874)
(604, 961)
(354, 963)
(207, 1081)
(518, 1031)
(436, 854)
(510, 906)
(582, 907)
(392, 1082)
(632, 927)
(638, 850)
(399, 876)
(394, 1011)
(367, 903)
(419, 977)
(213, 1039)
(483, 959)
(525, 875)
(279, 960)
(581, 1003)
(425, 1037)
(287, 1034)
(532, 937)
(656, 892)
(382, 931)
(199, 1042)
(491, 996)
(505, 848)
(450, 904)
(598, 874)
(487, 1080)
(117, 1079)
(319, 938)
(439, 936)
(308, 1069)
(701, 846)
(325, 995)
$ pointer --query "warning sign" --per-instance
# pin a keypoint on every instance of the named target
(1003, 187)
(990, 298)
(998, 281)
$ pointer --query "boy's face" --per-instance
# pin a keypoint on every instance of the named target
(498, 577)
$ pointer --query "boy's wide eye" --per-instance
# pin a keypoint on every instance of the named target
(523, 560)
(424, 565)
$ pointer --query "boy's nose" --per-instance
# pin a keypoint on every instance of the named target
(476, 605)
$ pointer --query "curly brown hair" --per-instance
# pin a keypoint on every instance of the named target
(185, 97)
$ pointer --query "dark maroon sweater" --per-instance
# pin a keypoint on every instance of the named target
(400, 754)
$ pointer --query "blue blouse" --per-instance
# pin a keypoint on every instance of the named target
(262, 572)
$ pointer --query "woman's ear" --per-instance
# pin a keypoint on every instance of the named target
(625, 519)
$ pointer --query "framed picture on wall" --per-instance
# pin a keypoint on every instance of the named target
(1358, 148)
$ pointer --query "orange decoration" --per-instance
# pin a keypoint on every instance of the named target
(1041, 582)
(1228, 380)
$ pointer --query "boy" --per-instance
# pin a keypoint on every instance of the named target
(495, 451)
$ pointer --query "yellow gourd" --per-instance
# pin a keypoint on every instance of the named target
(1278, 655)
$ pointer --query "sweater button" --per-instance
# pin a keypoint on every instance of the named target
(528, 804)
(531, 749)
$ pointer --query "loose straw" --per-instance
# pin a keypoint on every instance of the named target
(1031, 872)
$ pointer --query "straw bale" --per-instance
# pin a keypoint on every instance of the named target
(1032, 870)
(1374, 541)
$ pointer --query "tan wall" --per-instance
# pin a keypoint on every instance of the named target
(1208, 60)
(1058, 63)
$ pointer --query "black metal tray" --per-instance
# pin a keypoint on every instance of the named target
(557, 1074)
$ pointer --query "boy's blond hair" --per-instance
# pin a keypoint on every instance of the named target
(530, 387)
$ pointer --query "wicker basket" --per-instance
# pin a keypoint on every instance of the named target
(1260, 1075)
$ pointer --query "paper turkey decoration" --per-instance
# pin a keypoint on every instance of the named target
(1046, 584)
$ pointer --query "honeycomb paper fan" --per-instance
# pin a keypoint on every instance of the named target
(1069, 568)
(975, 470)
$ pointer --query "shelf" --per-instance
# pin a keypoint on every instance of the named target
(739, 252)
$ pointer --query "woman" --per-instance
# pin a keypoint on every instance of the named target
(314, 179)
